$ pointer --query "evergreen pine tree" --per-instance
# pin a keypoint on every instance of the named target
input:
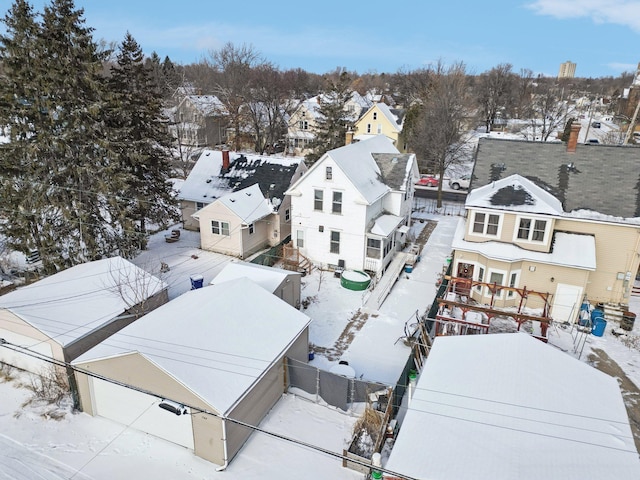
(141, 144)
(334, 119)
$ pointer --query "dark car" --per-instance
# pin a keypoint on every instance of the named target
(596, 124)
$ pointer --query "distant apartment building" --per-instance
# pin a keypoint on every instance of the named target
(567, 70)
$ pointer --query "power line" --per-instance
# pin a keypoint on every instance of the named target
(8, 345)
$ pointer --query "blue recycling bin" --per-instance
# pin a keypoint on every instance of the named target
(599, 325)
(196, 281)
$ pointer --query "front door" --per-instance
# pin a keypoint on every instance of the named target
(464, 275)
(566, 303)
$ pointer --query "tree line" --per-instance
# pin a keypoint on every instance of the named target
(84, 173)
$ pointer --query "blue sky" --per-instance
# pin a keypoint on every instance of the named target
(601, 36)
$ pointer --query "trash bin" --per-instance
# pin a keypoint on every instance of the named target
(196, 281)
(628, 319)
(599, 325)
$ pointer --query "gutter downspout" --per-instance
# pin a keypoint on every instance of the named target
(224, 446)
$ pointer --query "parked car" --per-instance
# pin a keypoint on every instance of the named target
(460, 182)
(596, 124)
(427, 181)
(592, 141)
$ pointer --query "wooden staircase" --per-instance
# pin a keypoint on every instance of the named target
(293, 260)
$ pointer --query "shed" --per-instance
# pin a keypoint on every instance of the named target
(218, 349)
(507, 406)
(284, 284)
(66, 314)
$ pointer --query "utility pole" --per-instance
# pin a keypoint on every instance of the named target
(632, 124)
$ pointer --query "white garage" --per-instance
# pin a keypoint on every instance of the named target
(140, 411)
(21, 360)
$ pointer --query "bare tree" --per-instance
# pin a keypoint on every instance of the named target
(547, 112)
(437, 138)
(493, 93)
(234, 82)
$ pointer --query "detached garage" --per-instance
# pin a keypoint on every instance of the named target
(220, 349)
(64, 315)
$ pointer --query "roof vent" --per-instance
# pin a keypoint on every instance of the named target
(394, 160)
(208, 180)
(272, 186)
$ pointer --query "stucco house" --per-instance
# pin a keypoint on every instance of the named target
(353, 207)
(200, 120)
(556, 218)
(284, 284)
(304, 120)
(210, 355)
(219, 173)
(505, 406)
(66, 314)
(381, 119)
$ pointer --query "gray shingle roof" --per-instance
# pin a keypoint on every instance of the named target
(602, 178)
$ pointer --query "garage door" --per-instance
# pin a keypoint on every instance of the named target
(23, 360)
(140, 411)
(566, 303)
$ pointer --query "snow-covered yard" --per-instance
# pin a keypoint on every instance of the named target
(79, 446)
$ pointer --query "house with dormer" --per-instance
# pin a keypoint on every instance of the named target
(352, 209)
(219, 173)
(304, 120)
(199, 121)
(381, 119)
(551, 217)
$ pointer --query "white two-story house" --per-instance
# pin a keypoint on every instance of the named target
(352, 209)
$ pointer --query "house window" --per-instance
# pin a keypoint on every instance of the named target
(486, 224)
(300, 238)
(379, 128)
(321, 228)
(480, 278)
(334, 246)
(200, 205)
(375, 115)
(303, 125)
(531, 230)
(497, 278)
(368, 128)
(219, 228)
(287, 215)
(513, 281)
(251, 229)
(337, 202)
(373, 247)
(317, 200)
(328, 173)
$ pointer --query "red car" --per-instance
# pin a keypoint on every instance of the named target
(427, 182)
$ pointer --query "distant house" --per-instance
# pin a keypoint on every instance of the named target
(218, 350)
(66, 314)
(381, 119)
(219, 173)
(563, 219)
(284, 284)
(507, 406)
(199, 121)
(353, 207)
(304, 121)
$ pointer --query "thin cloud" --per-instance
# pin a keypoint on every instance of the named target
(622, 67)
(618, 12)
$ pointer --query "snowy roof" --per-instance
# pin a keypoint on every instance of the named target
(356, 101)
(268, 278)
(207, 104)
(76, 301)
(393, 116)
(514, 193)
(571, 250)
(384, 225)
(507, 406)
(208, 181)
(212, 339)
(357, 162)
(248, 204)
(599, 178)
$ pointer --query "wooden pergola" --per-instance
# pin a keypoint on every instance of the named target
(463, 287)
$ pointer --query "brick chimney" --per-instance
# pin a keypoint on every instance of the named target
(572, 143)
(225, 159)
(348, 140)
